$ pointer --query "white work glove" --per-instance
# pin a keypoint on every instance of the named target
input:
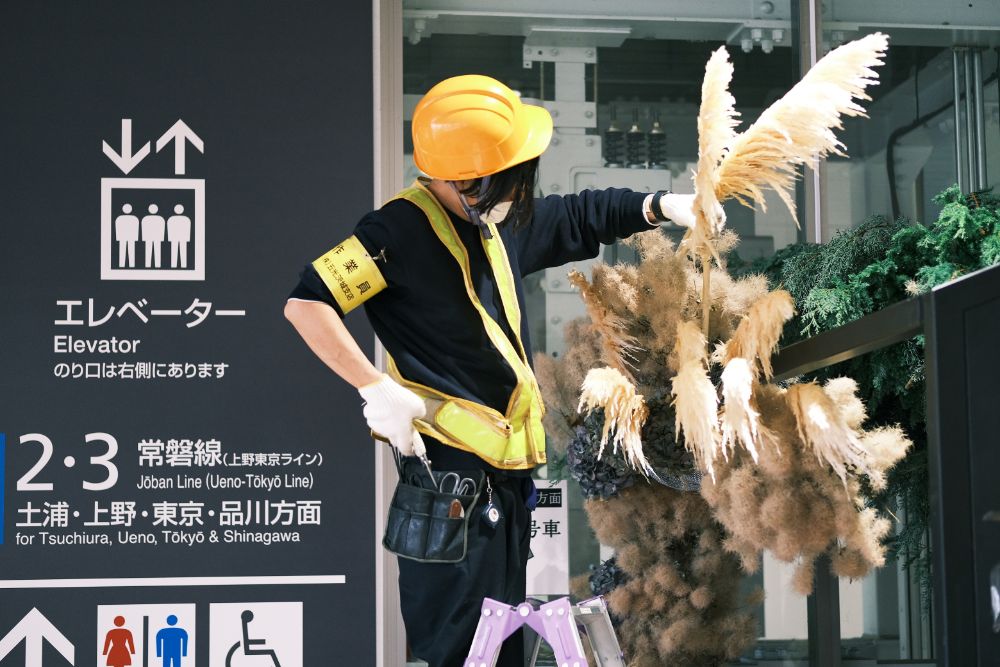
(680, 210)
(390, 410)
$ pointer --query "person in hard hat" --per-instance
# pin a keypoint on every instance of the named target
(438, 270)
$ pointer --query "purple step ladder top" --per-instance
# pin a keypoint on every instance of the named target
(554, 621)
(497, 622)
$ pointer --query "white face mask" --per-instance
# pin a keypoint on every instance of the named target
(498, 213)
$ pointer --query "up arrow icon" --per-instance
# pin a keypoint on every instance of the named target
(34, 629)
(126, 161)
(179, 133)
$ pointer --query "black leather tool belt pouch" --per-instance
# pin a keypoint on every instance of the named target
(429, 520)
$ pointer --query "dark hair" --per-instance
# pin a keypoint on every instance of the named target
(518, 181)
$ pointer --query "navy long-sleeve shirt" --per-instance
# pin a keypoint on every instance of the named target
(424, 317)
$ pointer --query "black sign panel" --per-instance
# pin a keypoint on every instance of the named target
(183, 483)
(550, 497)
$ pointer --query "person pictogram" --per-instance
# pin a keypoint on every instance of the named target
(248, 644)
(118, 644)
(153, 228)
(178, 235)
(126, 235)
(171, 643)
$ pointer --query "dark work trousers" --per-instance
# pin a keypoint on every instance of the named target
(441, 602)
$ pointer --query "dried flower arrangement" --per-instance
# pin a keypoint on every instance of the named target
(783, 465)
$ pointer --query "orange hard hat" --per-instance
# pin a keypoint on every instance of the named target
(471, 126)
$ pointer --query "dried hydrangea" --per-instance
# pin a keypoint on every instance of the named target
(599, 478)
(606, 577)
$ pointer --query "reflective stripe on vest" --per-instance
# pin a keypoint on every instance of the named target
(514, 439)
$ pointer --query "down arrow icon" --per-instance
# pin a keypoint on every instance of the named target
(34, 629)
(127, 160)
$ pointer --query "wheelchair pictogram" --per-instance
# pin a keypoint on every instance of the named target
(256, 634)
(250, 647)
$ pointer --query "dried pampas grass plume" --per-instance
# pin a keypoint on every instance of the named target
(822, 426)
(717, 120)
(746, 356)
(885, 446)
(625, 412)
(844, 392)
(740, 420)
(758, 333)
(694, 397)
(798, 128)
(618, 347)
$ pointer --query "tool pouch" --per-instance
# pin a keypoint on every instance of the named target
(421, 524)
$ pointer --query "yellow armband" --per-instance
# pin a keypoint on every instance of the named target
(350, 274)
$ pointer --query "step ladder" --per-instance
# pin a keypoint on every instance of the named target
(560, 623)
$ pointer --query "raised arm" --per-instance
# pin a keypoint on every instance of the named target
(573, 227)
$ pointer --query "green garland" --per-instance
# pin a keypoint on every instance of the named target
(861, 271)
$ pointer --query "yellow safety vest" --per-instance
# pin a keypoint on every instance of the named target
(510, 440)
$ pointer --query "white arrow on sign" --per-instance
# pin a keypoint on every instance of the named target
(126, 161)
(179, 134)
(33, 630)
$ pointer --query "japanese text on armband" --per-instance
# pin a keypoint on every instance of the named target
(350, 274)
